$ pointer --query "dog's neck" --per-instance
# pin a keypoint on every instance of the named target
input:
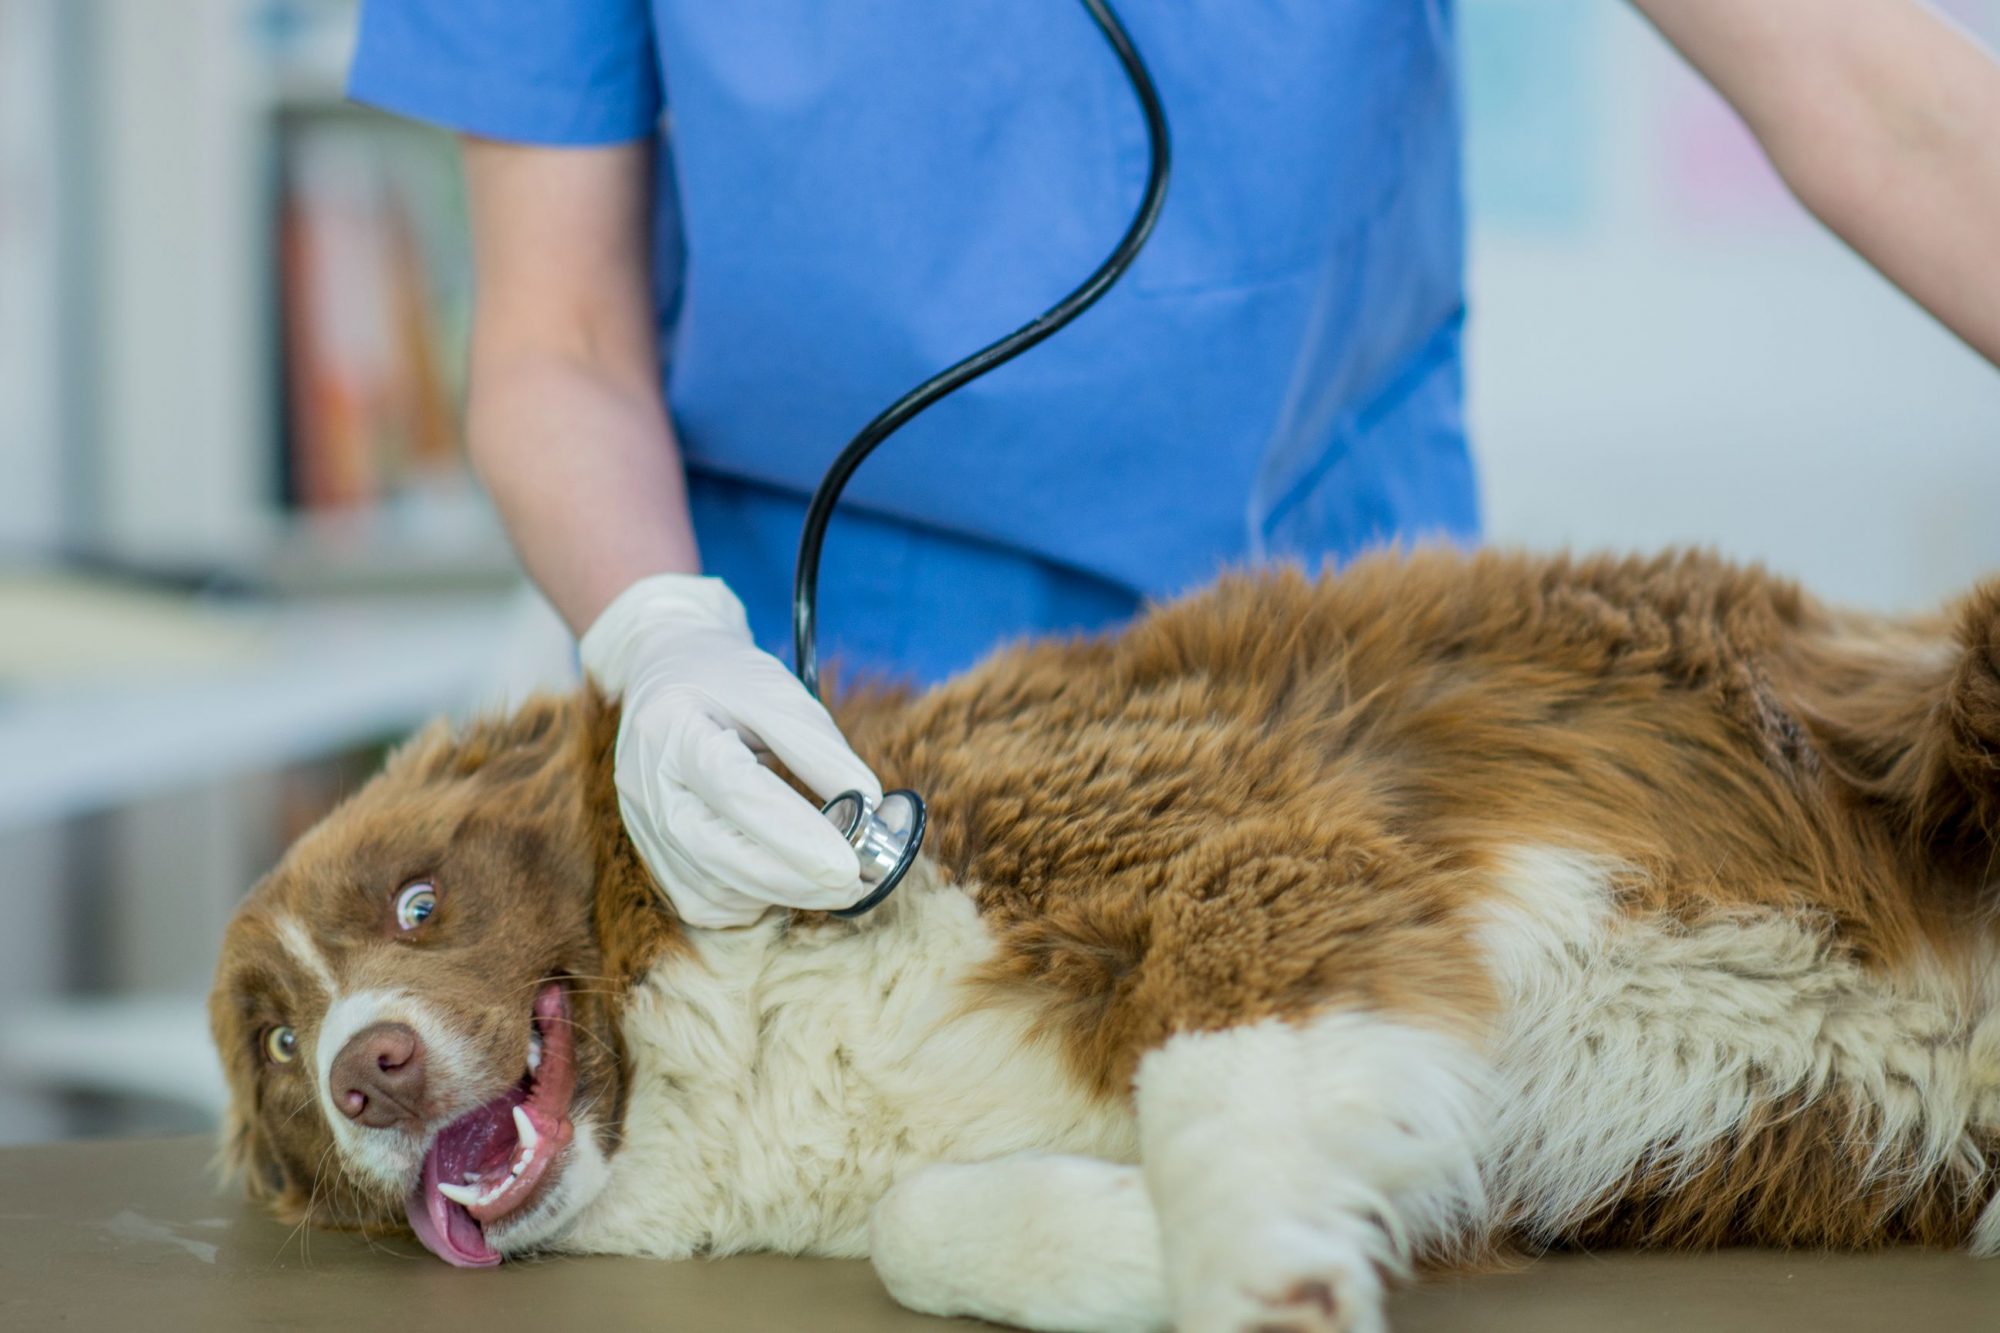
(634, 926)
(782, 1075)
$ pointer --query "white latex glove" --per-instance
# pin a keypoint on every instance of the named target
(725, 837)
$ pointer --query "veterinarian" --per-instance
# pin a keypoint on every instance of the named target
(676, 330)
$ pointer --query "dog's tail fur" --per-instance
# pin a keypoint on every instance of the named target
(1913, 729)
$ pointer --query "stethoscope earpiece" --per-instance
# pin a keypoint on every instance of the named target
(886, 838)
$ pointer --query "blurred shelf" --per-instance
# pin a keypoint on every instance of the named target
(416, 543)
(290, 313)
(319, 677)
(142, 1045)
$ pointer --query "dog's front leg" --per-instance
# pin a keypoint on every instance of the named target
(1293, 1165)
(1038, 1240)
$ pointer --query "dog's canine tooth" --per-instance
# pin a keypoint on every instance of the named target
(525, 1128)
(464, 1194)
(470, 1195)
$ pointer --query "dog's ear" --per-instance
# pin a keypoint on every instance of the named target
(425, 756)
(242, 1156)
(498, 748)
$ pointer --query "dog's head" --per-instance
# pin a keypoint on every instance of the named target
(418, 1008)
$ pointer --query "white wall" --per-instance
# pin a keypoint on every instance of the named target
(30, 475)
(1653, 363)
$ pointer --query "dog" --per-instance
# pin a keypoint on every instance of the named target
(1305, 934)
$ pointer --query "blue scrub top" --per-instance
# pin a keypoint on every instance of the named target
(859, 194)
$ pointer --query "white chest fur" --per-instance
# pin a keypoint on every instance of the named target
(782, 1080)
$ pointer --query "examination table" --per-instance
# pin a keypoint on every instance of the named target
(136, 1236)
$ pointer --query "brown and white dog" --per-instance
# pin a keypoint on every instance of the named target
(1301, 933)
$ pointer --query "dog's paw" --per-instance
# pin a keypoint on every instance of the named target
(1315, 1305)
(1282, 1281)
(1035, 1240)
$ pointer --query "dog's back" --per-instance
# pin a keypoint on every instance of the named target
(1704, 862)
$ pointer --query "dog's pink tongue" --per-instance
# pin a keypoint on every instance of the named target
(444, 1227)
(480, 1145)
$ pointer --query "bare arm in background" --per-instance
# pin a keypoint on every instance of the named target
(1884, 120)
(566, 424)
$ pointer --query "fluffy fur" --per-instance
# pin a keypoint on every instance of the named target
(1303, 935)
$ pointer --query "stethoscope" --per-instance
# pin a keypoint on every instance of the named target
(887, 835)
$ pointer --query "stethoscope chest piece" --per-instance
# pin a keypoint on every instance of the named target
(886, 838)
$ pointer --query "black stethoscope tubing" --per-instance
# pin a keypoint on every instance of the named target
(805, 585)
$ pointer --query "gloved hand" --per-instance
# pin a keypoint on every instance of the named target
(725, 837)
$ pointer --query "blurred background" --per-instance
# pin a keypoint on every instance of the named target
(240, 551)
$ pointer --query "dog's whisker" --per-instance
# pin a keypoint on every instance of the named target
(568, 977)
(303, 1231)
(579, 1027)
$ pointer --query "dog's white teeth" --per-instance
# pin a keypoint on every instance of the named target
(471, 1195)
(534, 1049)
(525, 1128)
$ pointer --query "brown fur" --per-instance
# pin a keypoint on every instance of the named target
(1140, 812)
(1798, 1175)
(1283, 794)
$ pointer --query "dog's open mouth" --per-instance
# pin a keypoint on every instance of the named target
(488, 1164)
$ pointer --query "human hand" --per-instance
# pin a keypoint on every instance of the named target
(724, 837)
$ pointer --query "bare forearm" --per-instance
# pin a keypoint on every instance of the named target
(1885, 121)
(586, 476)
(567, 426)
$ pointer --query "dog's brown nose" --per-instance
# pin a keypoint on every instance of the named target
(378, 1077)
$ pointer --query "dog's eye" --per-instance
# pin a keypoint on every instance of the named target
(281, 1045)
(415, 904)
